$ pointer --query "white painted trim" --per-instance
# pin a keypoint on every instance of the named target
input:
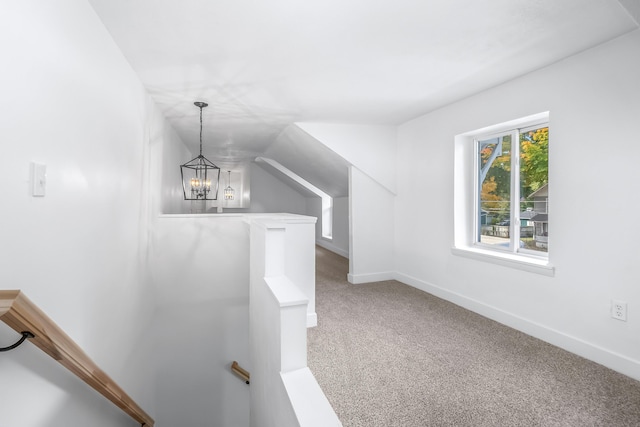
(287, 293)
(507, 259)
(287, 218)
(612, 360)
(309, 403)
(466, 185)
(357, 279)
(333, 248)
(523, 122)
(312, 320)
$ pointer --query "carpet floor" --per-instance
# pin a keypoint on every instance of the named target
(387, 354)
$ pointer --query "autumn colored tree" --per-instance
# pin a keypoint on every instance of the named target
(488, 194)
(534, 160)
(496, 187)
(495, 191)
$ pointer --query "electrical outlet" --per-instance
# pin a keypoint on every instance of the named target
(619, 310)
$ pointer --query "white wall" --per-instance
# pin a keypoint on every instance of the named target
(70, 101)
(371, 219)
(199, 267)
(339, 243)
(271, 195)
(300, 260)
(170, 155)
(284, 392)
(341, 225)
(371, 148)
(594, 104)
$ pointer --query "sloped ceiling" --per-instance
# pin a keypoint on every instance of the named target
(310, 159)
(263, 65)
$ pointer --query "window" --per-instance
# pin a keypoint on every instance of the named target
(501, 194)
(512, 204)
(327, 200)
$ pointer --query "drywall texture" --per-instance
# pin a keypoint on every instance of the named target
(371, 219)
(594, 103)
(370, 148)
(170, 155)
(70, 101)
(199, 267)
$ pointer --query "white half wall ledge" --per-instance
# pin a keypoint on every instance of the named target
(617, 362)
(286, 218)
(289, 295)
(312, 408)
(284, 391)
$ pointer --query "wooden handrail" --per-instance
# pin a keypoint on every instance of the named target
(240, 372)
(17, 311)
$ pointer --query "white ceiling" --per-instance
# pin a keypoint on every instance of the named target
(264, 64)
(312, 160)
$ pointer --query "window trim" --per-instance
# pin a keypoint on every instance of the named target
(466, 184)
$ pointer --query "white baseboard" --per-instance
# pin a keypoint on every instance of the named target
(333, 248)
(357, 279)
(612, 360)
(312, 320)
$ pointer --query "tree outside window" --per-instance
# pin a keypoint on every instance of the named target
(512, 203)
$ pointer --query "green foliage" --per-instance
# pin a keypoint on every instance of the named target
(496, 188)
(534, 170)
(534, 160)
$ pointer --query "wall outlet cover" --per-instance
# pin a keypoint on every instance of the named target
(619, 310)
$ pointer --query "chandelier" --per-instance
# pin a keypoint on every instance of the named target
(199, 175)
(229, 191)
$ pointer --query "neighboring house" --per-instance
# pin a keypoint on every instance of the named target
(525, 217)
(541, 234)
(541, 199)
(540, 219)
(485, 217)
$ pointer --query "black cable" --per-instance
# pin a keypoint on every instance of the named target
(25, 335)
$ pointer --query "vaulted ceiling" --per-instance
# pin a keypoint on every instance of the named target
(264, 64)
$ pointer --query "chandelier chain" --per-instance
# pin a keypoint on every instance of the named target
(201, 130)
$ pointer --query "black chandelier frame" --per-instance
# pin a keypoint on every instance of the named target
(200, 176)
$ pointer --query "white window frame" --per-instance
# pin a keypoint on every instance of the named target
(466, 200)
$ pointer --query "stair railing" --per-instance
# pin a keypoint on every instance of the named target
(23, 316)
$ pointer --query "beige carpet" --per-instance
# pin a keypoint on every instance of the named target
(387, 354)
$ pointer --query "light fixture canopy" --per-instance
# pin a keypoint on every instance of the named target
(229, 191)
(200, 176)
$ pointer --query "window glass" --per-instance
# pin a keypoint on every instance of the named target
(534, 186)
(512, 195)
(495, 190)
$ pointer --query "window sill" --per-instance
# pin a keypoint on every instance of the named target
(520, 262)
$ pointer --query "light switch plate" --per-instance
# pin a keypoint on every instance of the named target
(39, 180)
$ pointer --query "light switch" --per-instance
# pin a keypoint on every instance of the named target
(38, 180)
